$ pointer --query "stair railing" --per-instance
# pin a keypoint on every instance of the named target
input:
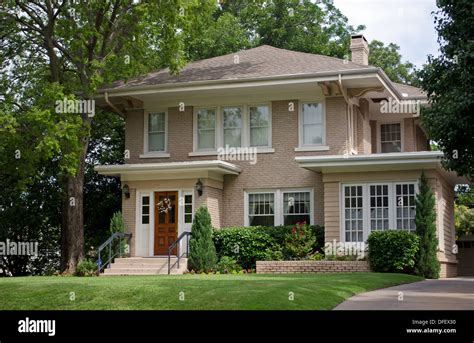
(179, 253)
(112, 254)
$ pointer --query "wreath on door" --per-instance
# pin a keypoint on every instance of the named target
(164, 205)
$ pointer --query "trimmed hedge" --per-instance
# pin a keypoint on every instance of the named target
(393, 251)
(256, 243)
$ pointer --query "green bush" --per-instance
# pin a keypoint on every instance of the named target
(202, 252)
(86, 268)
(393, 251)
(299, 242)
(245, 244)
(259, 243)
(228, 265)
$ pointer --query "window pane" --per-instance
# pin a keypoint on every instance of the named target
(312, 124)
(261, 209)
(156, 142)
(390, 138)
(353, 213)
(259, 125)
(145, 219)
(188, 218)
(156, 122)
(232, 126)
(206, 124)
(405, 210)
(293, 219)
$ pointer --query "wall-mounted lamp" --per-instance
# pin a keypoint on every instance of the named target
(126, 191)
(198, 187)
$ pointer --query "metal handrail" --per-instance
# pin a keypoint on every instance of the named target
(178, 255)
(108, 243)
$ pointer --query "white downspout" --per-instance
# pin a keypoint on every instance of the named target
(350, 116)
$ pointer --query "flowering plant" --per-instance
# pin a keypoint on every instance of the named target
(299, 242)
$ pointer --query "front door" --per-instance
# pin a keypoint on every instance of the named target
(166, 222)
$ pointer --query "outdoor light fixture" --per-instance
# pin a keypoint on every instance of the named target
(126, 191)
(198, 187)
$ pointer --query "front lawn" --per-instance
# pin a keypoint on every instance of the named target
(191, 292)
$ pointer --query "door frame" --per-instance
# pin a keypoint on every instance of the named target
(150, 239)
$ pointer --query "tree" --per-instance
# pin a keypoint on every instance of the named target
(79, 46)
(313, 27)
(427, 264)
(389, 59)
(202, 252)
(449, 83)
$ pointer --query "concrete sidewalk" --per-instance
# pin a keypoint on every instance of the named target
(443, 294)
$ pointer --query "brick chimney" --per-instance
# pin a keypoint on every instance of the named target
(359, 49)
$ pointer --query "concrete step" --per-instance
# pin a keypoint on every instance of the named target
(145, 266)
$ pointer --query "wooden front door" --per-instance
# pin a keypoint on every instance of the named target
(166, 221)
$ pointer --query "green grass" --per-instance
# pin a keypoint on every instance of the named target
(201, 292)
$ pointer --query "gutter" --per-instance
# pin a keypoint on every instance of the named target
(106, 97)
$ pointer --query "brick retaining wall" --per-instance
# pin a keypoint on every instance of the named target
(289, 267)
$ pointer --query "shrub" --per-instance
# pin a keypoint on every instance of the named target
(245, 244)
(86, 268)
(299, 241)
(202, 252)
(278, 234)
(427, 264)
(228, 265)
(393, 251)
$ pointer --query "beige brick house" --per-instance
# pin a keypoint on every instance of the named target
(316, 141)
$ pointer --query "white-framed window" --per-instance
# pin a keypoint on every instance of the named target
(261, 209)
(312, 124)
(235, 126)
(232, 126)
(206, 123)
(377, 206)
(188, 207)
(296, 207)
(405, 204)
(353, 213)
(156, 128)
(145, 209)
(278, 207)
(390, 137)
(260, 132)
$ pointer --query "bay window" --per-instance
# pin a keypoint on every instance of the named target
(377, 207)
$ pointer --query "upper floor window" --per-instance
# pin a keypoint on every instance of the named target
(157, 132)
(232, 126)
(390, 137)
(206, 129)
(259, 126)
(312, 124)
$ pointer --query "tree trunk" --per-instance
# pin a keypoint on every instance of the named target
(72, 228)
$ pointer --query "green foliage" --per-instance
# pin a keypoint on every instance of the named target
(393, 251)
(259, 243)
(86, 268)
(427, 264)
(389, 59)
(300, 241)
(448, 79)
(117, 223)
(228, 265)
(245, 244)
(202, 252)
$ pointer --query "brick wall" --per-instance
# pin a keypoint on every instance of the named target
(291, 267)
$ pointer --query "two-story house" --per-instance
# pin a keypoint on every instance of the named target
(322, 140)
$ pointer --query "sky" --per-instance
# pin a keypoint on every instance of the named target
(407, 23)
